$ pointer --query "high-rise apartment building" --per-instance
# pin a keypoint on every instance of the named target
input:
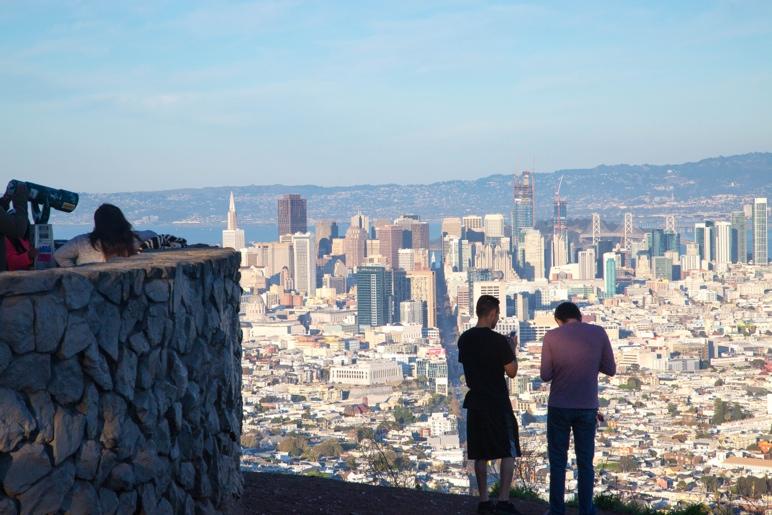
(533, 254)
(760, 234)
(739, 238)
(587, 266)
(374, 295)
(292, 216)
(232, 236)
(304, 257)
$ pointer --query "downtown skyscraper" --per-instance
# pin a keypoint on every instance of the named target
(760, 231)
(304, 263)
(291, 215)
(522, 204)
(232, 236)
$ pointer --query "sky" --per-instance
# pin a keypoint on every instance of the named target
(130, 96)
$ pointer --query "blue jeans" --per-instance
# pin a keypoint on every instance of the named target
(560, 423)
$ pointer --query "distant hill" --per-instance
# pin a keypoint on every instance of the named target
(703, 188)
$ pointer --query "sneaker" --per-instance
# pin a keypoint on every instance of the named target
(486, 508)
(506, 507)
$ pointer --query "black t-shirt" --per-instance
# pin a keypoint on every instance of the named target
(484, 353)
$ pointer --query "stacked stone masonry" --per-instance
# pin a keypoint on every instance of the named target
(120, 386)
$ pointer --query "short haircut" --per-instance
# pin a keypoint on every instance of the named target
(486, 304)
(567, 311)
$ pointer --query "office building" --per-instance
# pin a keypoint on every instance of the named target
(492, 288)
(304, 257)
(705, 236)
(523, 204)
(760, 234)
(367, 373)
(355, 246)
(691, 260)
(473, 222)
(663, 267)
(407, 259)
(452, 227)
(610, 273)
(723, 243)
(423, 287)
(390, 237)
(292, 217)
(587, 267)
(493, 225)
(419, 235)
(739, 238)
(412, 312)
(361, 221)
(533, 255)
(374, 295)
(232, 236)
(559, 249)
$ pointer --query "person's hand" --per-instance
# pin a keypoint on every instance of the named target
(33, 253)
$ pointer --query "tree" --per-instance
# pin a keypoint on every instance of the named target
(403, 416)
(628, 464)
(719, 382)
(672, 409)
(294, 445)
(330, 448)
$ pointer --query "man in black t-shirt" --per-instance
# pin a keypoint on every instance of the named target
(491, 428)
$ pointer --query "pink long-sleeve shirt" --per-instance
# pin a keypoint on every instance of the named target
(572, 356)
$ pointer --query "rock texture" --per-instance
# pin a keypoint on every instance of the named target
(120, 386)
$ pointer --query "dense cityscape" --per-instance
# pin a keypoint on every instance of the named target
(350, 366)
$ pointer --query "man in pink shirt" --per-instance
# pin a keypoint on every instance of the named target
(572, 356)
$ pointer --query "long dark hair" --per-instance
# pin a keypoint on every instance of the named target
(112, 233)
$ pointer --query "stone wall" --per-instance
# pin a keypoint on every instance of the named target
(120, 386)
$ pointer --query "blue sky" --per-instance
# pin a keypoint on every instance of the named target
(115, 96)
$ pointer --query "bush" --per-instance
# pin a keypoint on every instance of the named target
(525, 493)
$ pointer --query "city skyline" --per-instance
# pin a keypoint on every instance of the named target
(149, 96)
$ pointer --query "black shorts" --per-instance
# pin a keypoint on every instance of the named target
(491, 434)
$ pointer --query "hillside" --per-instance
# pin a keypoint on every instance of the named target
(285, 494)
(712, 185)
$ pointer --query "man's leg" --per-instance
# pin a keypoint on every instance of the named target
(558, 434)
(481, 473)
(584, 426)
(506, 471)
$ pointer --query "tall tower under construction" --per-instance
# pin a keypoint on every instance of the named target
(523, 203)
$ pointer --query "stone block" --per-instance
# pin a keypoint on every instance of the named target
(77, 338)
(108, 501)
(69, 428)
(127, 503)
(122, 478)
(77, 290)
(126, 374)
(67, 382)
(96, 366)
(138, 343)
(43, 410)
(157, 290)
(50, 323)
(5, 356)
(109, 317)
(47, 495)
(83, 499)
(29, 372)
(28, 465)
(89, 407)
(87, 463)
(16, 319)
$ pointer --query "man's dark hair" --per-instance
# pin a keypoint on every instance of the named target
(567, 311)
(486, 304)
